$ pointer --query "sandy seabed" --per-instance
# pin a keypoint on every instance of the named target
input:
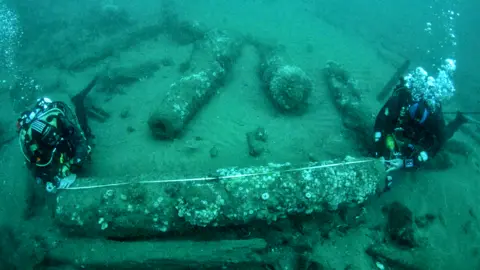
(240, 107)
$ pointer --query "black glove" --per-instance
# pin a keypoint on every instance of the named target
(77, 161)
(80, 157)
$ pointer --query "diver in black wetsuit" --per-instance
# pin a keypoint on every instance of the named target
(54, 140)
(409, 132)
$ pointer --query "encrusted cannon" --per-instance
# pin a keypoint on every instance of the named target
(232, 196)
(212, 58)
(347, 97)
(287, 85)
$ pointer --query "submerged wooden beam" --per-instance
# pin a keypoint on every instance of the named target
(96, 254)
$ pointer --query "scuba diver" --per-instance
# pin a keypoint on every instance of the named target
(410, 128)
(55, 140)
(408, 132)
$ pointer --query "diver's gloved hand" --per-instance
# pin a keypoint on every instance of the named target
(65, 170)
(382, 159)
(77, 161)
(423, 156)
(80, 158)
(377, 136)
(67, 181)
(395, 164)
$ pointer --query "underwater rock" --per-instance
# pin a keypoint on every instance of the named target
(130, 129)
(167, 62)
(125, 113)
(425, 220)
(256, 141)
(230, 196)
(400, 225)
(213, 152)
(347, 98)
(212, 58)
(287, 85)
(393, 257)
